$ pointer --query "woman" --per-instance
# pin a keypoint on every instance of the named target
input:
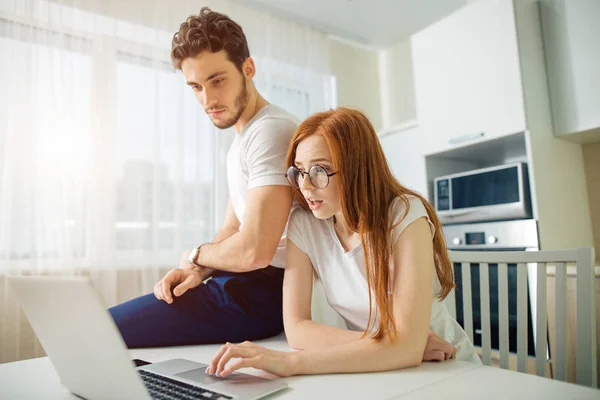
(377, 248)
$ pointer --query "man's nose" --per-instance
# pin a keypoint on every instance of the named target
(209, 98)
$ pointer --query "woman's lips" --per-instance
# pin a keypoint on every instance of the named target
(314, 204)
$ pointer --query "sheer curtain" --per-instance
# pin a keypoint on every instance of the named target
(108, 164)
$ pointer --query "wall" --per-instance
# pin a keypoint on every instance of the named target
(397, 85)
(591, 160)
(357, 78)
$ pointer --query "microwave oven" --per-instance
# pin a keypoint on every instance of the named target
(488, 194)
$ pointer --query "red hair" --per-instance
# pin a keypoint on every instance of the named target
(367, 189)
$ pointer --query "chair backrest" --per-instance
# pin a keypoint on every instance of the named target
(585, 355)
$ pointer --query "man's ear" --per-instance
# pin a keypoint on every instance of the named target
(248, 68)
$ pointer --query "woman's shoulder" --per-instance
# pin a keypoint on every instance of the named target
(408, 205)
(306, 230)
(404, 210)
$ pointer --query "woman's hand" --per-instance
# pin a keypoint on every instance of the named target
(280, 363)
(437, 349)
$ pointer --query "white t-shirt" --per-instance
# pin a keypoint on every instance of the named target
(257, 158)
(343, 274)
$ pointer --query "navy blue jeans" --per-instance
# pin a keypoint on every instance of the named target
(230, 307)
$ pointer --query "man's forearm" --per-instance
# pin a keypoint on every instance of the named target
(234, 254)
(224, 233)
(221, 235)
(254, 245)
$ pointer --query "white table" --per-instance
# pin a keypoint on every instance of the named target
(37, 379)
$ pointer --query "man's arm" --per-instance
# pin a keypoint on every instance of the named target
(188, 276)
(254, 245)
(231, 225)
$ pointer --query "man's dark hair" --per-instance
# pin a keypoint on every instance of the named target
(210, 31)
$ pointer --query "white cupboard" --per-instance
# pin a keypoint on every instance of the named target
(467, 76)
(572, 48)
(404, 152)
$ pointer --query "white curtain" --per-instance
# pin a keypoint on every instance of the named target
(107, 162)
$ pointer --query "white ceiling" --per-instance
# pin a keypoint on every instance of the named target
(376, 23)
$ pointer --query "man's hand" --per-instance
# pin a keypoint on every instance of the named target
(437, 349)
(182, 279)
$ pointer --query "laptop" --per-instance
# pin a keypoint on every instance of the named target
(92, 360)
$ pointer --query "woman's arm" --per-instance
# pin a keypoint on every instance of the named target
(412, 296)
(301, 331)
(305, 334)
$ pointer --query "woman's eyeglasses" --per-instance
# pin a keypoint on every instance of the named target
(317, 175)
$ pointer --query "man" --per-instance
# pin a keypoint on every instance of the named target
(243, 300)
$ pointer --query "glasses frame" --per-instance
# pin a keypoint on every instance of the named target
(304, 173)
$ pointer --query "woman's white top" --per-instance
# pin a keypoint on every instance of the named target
(343, 274)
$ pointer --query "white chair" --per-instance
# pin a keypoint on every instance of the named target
(585, 355)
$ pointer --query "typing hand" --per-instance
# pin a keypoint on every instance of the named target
(437, 349)
(280, 363)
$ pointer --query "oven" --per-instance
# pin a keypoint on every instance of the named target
(516, 235)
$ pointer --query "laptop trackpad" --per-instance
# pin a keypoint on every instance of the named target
(198, 375)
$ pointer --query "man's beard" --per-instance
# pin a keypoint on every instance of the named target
(241, 101)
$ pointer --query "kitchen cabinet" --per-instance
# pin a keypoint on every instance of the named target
(480, 74)
(467, 76)
(571, 35)
(404, 152)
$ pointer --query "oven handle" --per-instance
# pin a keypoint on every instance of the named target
(455, 213)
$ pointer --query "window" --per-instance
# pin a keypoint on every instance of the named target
(106, 158)
(164, 148)
(45, 110)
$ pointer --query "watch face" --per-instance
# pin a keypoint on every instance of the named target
(192, 256)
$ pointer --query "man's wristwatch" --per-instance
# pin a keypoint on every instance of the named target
(194, 255)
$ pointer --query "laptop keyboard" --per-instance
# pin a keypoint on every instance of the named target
(163, 388)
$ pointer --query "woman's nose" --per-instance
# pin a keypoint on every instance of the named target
(304, 182)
